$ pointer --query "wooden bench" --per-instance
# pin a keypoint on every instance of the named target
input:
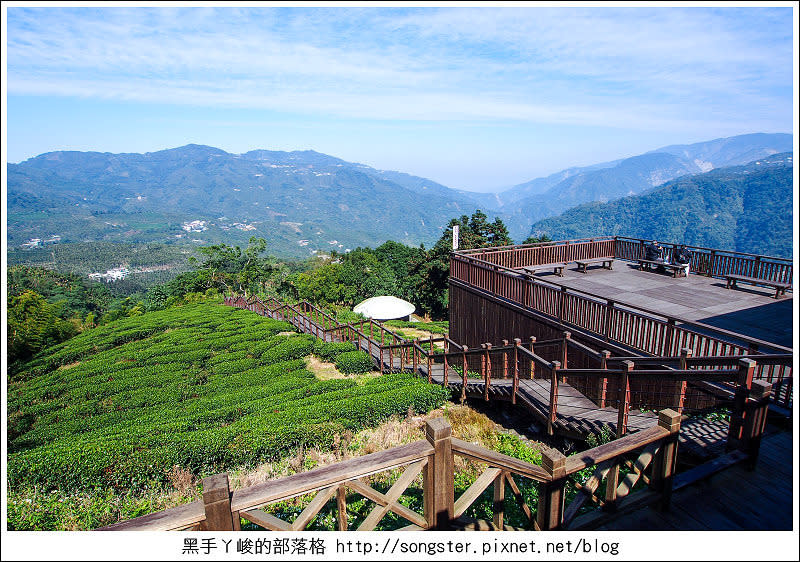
(646, 265)
(608, 263)
(780, 288)
(558, 268)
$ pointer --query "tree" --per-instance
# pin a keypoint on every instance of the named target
(238, 271)
(537, 240)
(432, 273)
(34, 324)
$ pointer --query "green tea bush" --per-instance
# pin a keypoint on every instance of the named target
(329, 351)
(119, 412)
(355, 362)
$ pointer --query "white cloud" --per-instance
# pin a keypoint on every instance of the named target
(639, 68)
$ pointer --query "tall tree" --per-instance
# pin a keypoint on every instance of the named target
(474, 232)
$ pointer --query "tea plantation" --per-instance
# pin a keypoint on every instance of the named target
(203, 387)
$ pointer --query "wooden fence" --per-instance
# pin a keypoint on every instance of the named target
(647, 459)
(714, 263)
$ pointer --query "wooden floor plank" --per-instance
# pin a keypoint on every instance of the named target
(733, 499)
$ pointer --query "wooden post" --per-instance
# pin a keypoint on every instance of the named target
(505, 359)
(414, 358)
(464, 373)
(341, 507)
(551, 418)
(533, 367)
(217, 505)
(602, 382)
(487, 376)
(564, 346)
(430, 363)
(561, 303)
(438, 476)
(666, 344)
(550, 512)
(744, 383)
(515, 387)
(755, 421)
(665, 460)
(609, 317)
(498, 508)
(624, 402)
(680, 387)
(445, 365)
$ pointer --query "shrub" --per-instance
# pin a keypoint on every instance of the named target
(355, 362)
(329, 351)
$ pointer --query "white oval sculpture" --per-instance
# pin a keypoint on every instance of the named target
(384, 308)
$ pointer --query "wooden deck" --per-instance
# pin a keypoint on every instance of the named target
(732, 500)
(748, 310)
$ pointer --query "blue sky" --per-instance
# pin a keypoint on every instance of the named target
(475, 98)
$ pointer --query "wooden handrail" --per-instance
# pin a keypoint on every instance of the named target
(665, 374)
(304, 482)
(499, 460)
(614, 449)
(170, 519)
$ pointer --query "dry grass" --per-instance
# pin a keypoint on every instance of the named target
(68, 366)
(322, 370)
(182, 480)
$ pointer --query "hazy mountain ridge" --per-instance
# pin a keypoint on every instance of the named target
(629, 176)
(306, 200)
(743, 208)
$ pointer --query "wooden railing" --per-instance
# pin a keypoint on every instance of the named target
(632, 327)
(367, 335)
(706, 261)
(621, 382)
(713, 262)
(637, 469)
(544, 252)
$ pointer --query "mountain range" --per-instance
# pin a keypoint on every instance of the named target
(305, 201)
(534, 200)
(741, 208)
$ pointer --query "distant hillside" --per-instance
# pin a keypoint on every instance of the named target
(304, 202)
(298, 201)
(742, 208)
(543, 197)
